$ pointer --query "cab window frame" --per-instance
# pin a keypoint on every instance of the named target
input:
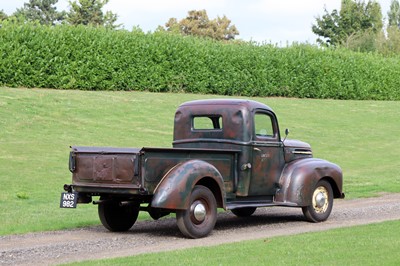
(215, 123)
(271, 125)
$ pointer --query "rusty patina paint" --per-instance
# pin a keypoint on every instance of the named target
(237, 132)
(299, 178)
(157, 162)
(102, 167)
(174, 189)
(240, 167)
(236, 120)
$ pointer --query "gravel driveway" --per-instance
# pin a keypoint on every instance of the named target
(49, 248)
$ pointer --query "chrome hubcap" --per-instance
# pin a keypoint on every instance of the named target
(199, 211)
(320, 200)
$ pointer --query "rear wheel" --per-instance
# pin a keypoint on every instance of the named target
(200, 218)
(117, 217)
(244, 212)
(321, 203)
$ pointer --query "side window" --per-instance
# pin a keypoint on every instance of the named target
(207, 123)
(263, 125)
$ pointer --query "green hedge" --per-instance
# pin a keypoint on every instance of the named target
(66, 57)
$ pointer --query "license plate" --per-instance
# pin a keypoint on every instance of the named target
(68, 200)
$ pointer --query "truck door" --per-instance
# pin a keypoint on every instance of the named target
(268, 157)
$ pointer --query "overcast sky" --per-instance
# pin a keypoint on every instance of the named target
(275, 21)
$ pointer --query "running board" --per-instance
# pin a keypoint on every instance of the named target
(256, 204)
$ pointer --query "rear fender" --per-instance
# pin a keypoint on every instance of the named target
(173, 191)
(299, 178)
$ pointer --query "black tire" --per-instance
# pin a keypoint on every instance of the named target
(244, 212)
(321, 203)
(116, 217)
(199, 220)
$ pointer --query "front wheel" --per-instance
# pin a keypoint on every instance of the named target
(117, 217)
(200, 218)
(321, 203)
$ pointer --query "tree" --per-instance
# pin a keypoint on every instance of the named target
(360, 16)
(394, 14)
(392, 44)
(3, 15)
(354, 17)
(197, 23)
(328, 28)
(89, 12)
(43, 11)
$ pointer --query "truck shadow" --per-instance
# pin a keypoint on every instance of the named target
(226, 221)
(229, 221)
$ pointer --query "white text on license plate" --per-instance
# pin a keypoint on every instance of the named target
(68, 200)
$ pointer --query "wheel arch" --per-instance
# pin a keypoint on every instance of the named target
(337, 193)
(174, 190)
(299, 178)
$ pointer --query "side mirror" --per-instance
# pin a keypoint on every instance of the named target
(286, 134)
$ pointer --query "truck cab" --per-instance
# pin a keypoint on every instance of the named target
(247, 126)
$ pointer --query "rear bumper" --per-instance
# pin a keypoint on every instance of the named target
(96, 190)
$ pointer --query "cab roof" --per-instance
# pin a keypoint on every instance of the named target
(249, 104)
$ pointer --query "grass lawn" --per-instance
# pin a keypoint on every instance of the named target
(374, 244)
(37, 127)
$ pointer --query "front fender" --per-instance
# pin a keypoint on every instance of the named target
(173, 191)
(298, 180)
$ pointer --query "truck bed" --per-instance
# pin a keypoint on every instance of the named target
(138, 171)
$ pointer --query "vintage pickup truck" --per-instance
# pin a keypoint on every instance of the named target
(226, 154)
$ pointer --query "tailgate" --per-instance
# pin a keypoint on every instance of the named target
(100, 166)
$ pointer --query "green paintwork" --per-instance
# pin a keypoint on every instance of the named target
(173, 192)
(233, 147)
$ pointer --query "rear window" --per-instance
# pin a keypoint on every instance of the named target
(207, 123)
